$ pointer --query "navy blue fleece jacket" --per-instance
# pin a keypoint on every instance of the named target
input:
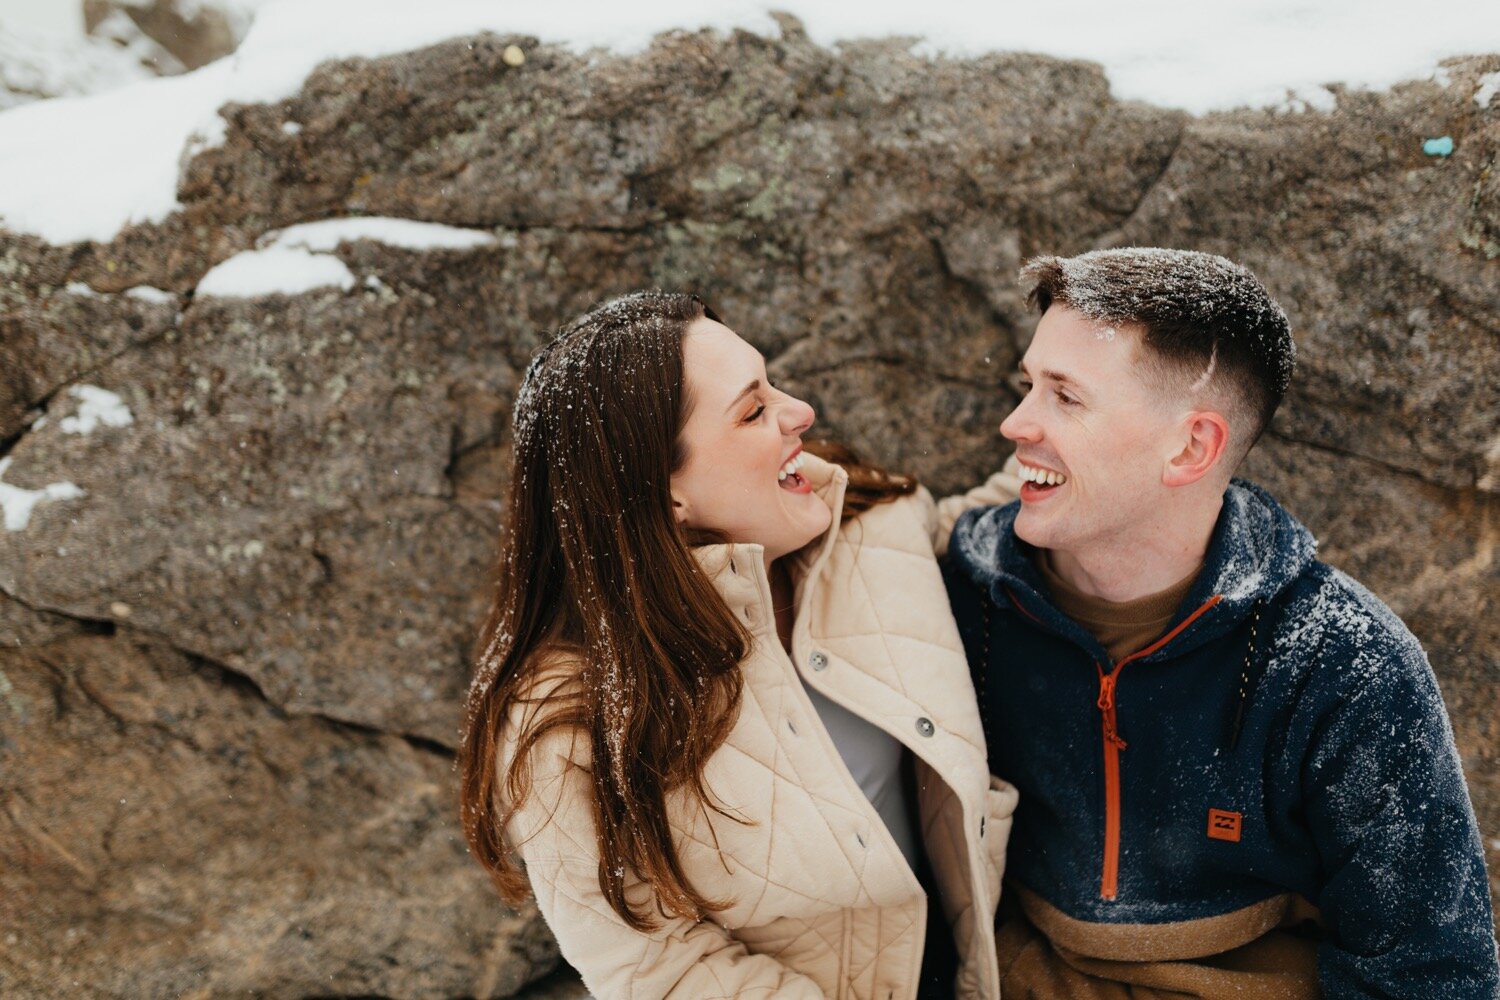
(1214, 774)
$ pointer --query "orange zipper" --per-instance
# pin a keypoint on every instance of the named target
(1109, 881)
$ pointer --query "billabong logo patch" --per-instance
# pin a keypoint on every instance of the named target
(1224, 825)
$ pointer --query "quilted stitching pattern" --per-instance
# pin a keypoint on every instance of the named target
(817, 883)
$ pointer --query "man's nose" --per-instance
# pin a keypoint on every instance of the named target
(1019, 426)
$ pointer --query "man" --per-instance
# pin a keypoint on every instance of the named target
(1237, 776)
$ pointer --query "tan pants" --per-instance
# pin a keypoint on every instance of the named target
(1281, 965)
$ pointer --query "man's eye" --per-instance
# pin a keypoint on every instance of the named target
(1065, 399)
(1024, 384)
(755, 414)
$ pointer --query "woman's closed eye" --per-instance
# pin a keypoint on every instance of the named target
(754, 414)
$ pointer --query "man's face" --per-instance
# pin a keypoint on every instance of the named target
(1093, 440)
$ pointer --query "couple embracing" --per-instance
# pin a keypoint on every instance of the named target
(754, 718)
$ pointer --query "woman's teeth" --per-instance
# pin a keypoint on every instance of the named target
(1042, 477)
(791, 467)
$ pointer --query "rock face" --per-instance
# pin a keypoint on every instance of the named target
(190, 33)
(231, 669)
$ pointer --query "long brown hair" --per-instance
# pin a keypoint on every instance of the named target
(594, 566)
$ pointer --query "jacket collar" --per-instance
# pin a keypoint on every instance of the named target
(1256, 551)
(738, 569)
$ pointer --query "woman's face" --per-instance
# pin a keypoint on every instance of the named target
(740, 437)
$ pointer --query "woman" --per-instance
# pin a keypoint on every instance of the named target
(722, 713)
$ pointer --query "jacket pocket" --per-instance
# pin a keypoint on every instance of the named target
(1000, 801)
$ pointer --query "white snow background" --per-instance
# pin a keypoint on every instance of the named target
(44, 51)
(81, 168)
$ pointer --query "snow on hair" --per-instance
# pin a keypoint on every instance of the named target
(1200, 312)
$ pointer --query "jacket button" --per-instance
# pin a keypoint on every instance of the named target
(925, 726)
(818, 660)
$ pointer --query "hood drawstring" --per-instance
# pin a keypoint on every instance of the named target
(1244, 696)
(980, 674)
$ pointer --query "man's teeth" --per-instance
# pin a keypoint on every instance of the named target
(1042, 477)
(791, 466)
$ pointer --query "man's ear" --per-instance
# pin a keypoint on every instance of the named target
(1205, 439)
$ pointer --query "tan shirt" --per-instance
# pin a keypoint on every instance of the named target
(1122, 627)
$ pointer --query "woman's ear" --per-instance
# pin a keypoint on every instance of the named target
(679, 508)
(1205, 441)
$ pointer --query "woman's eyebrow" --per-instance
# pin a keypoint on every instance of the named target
(754, 384)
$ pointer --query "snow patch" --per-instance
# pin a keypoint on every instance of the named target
(80, 168)
(17, 503)
(146, 293)
(38, 64)
(95, 406)
(299, 258)
(1300, 100)
(1489, 86)
(274, 271)
(240, 13)
(409, 234)
(119, 29)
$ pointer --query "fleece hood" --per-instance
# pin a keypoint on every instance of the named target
(1256, 551)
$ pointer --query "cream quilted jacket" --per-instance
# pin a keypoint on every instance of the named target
(822, 902)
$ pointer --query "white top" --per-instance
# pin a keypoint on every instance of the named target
(874, 758)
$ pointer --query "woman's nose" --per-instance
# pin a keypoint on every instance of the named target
(795, 416)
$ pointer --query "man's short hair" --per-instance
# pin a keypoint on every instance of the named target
(1209, 323)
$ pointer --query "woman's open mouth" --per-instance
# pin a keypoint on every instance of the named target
(789, 479)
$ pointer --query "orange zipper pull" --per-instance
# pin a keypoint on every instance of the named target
(1107, 706)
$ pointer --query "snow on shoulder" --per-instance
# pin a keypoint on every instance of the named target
(83, 168)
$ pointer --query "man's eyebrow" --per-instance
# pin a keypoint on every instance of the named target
(1051, 375)
(1060, 377)
(754, 384)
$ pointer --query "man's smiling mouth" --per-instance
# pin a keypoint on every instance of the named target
(1043, 478)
